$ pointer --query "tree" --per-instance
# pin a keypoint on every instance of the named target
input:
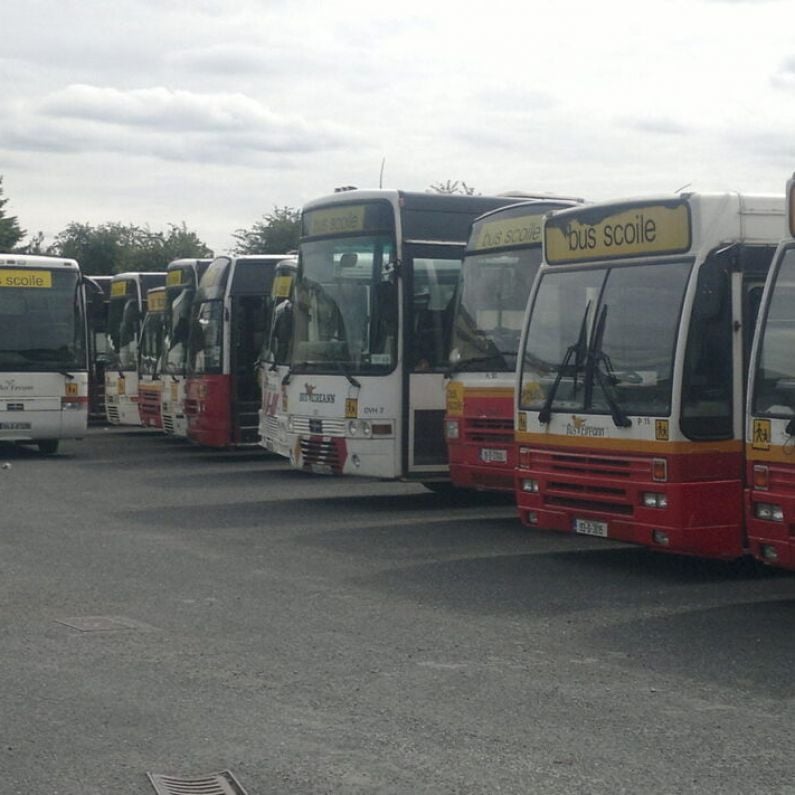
(452, 186)
(10, 232)
(276, 233)
(114, 248)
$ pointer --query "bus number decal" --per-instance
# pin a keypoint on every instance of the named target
(25, 278)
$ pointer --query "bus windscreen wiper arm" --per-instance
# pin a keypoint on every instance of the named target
(578, 348)
(605, 378)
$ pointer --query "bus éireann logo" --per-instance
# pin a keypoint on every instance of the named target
(310, 395)
(579, 427)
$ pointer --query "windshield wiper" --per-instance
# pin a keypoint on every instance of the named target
(578, 350)
(605, 378)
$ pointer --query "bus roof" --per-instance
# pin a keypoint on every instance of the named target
(37, 261)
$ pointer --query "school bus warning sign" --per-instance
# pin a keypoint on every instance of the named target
(760, 435)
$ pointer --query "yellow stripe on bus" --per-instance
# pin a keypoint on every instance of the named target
(629, 445)
(778, 454)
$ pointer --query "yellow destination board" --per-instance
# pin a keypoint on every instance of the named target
(630, 231)
(174, 278)
(336, 220)
(157, 302)
(25, 278)
(522, 231)
(119, 288)
(282, 286)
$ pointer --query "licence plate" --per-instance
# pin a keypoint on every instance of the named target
(489, 455)
(14, 426)
(590, 527)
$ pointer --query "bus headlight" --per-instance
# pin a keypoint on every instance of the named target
(451, 429)
(359, 428)
(530, 485)
(769, 512)
(652, 499)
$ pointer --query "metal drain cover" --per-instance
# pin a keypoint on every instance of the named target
(223, 783)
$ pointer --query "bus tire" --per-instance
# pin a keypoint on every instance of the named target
(47, 446)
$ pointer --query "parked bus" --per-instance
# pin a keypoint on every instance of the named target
(500, 263)
(97, 304)
(127, 309)
(43, 351)
(228, 325)
(274, 361)
(371, 334)
(770, 430)
(182, 281)
(631, 392)
(150, 351)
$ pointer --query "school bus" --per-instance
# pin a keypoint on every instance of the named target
(631, 386)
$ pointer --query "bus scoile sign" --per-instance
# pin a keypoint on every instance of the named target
(25, 278)
(335, 220)
(636, 230)
(524, 230)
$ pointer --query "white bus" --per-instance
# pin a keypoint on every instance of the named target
(274, 361)
(43, 351)
(125, 315)
(377, 275)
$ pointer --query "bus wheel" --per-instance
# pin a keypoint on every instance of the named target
(48, 446)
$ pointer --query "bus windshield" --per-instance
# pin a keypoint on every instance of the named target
(177, 328)
(490, 309)
(604, 338)
(346, 307)
(205, 344)
(41, 328)
(774, 384)
(124, 325)
(151, 343)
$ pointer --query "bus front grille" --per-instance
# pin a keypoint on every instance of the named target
(319, 425)
(489, 430)
(322, 454)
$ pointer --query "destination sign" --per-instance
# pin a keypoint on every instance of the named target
(524, 230)
(282, 286)
(120, 288)
(156, 302)
(25, 278)
(335, 220)
(174, 278)
(629, 231)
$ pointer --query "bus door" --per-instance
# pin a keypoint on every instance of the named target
(429, 301)
(248, 324)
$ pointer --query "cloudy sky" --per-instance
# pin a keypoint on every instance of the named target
(213, 111)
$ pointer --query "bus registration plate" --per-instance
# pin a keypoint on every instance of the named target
(590, 527)
(490, 455)
(14, 426)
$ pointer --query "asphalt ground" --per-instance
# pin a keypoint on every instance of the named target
(171, 609)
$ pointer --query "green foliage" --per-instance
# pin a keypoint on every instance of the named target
(276, 233)
(115, 248)
(452, 186)
(10, 232)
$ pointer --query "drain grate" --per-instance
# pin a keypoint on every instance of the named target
(223, 783)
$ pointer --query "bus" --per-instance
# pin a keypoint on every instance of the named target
(43, 351)
(97, 304)
(770, 428)
(631, 385)
(150, 351)
(374, 292)
(228, 325)
(182, 281)
(274, 361)
(500, 263)
(127, 309)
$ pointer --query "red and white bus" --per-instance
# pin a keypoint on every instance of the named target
(182, 281)
(43, 351)
(500, 264)
(274, 361)
(125, 314)
(770, 429)
(229, 322)
(150, 351)
(631, 387)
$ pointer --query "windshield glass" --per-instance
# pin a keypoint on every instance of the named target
(774, 384)
(490, 309)
(177, 328)
(151, 343)
(346, 306)
(124, 327)
(41, 327)
(628, 361)
(205, 343)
